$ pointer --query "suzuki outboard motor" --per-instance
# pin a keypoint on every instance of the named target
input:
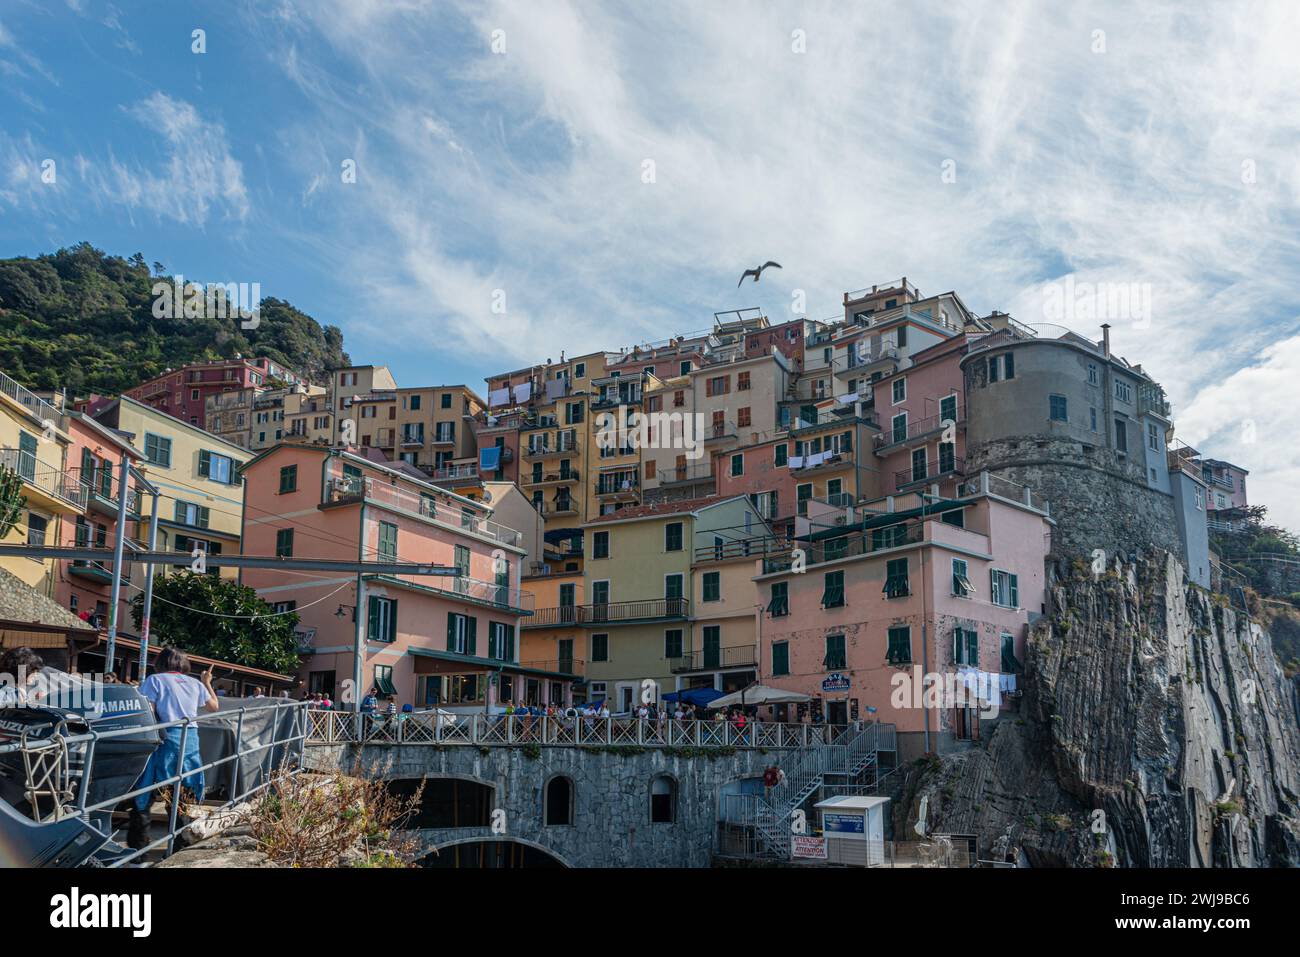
(42, 779)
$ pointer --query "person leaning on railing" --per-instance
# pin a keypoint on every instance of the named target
(175, 695)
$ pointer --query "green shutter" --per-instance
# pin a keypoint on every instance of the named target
(451, 631)
(471, 635)
(205, 462)
(1015, 590)
(372, 619)
(510, 643)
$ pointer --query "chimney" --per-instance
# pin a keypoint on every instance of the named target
(1105, 339)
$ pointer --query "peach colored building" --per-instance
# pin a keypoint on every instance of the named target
(899, 593)
(446, 641)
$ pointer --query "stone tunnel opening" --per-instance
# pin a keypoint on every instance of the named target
(502, 853)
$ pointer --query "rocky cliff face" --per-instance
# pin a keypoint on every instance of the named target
(1157, 730)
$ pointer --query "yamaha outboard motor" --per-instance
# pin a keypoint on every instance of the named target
(42, 779)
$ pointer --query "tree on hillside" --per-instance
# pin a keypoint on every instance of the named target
(81, 320)
(219, 618)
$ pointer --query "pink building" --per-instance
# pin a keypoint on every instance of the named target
(95, 458)
(183, 393)
(1227, 485)
(913, 406)
(900, 593)
(452, 642)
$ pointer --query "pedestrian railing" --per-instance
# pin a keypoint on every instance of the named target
(67, 769)
(502, 730)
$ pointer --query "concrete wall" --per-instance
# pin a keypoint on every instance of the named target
(611, 796)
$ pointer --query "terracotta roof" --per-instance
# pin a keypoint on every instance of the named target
(660, 508)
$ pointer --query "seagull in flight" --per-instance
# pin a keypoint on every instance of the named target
(756, 272)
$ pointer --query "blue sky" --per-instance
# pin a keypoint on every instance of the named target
(503, 148)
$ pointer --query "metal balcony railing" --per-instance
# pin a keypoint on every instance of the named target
(342, 488)
(918, 428)
(511, 730)
(51, 481)
(613, 612)
(624, 485)
(565, 666)
(24, 396)
(710, 659)
(932, 470)
(849, 546)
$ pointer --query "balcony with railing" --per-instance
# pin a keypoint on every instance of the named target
(560, 508)
(453, 474)
(34, 404)
(685, 474)
(564, 666)
(714, 659)
(612, 613)
(864, 362)
(755, 547)
(850, 545)
(102, 490)
(51, 487)
(624, 485)
(918, 430)
(345, 489)
(717, 431)
(559, 477)
(943, 468)
(541, 446)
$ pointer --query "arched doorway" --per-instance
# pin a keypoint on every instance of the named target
(558, 801)
(500, 853)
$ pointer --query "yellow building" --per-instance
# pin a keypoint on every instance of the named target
(34, 443)
(632, 614)
(201, 499)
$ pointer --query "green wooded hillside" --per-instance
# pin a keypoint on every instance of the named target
(82, 320)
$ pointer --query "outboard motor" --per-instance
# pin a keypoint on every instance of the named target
(42, 780)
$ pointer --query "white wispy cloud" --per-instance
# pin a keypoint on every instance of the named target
(1114, 144)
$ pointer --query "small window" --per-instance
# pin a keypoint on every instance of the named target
(833, 593)
(600, 545)
(778, 605)
(580, 370)
(1004, 589)
(288, 479)
(780, 658)
(284, 543)
(663, 800)
(1057, 408)
(781, 455)
(961, 585)
(158, 449)
(896, 582)
(834, 659)
(600, 647)
(966, 647)
(1121, 435)
(899, 649)
(382, 619)
(900, 390)
(387, 542)
(673, 643)
(712, 586)
(673, 537)
(559, 802)
(738, 464)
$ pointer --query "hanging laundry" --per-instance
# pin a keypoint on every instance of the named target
(523, 392)
(489, 459)
(498, 397)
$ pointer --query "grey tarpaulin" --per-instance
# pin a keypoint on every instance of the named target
(263, 723)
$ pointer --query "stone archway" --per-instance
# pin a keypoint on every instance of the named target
(492, 852)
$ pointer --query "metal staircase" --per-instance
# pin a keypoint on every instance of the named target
(854, 754)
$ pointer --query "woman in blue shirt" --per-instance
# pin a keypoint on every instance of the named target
(175, 695)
